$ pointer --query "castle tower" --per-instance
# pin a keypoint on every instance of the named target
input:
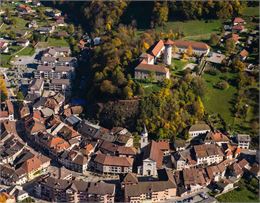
(144, 138)
(168, 52)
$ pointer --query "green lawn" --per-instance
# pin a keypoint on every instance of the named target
(57, 42)
(179, 64)
(5, 59)
(251, 11)
(28, 51)
(242, 194)
(150, 87)
(193, 29)
(237, 195)
(219, 101)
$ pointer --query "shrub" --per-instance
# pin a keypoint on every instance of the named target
(222, 85)
(212, 71)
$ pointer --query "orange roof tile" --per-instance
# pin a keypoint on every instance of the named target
(157, 48)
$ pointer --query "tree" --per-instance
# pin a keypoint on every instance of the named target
(11, 34)
(199, 86)
(214, 39)
(222, 85)
(41, 14)
(36, 37)
(20, 96)
(71, 29)
(238, 65)
(175, 49)
(13, 21)
(7, 12)
(184, 56)
(230, 46)
(189, 50)
(3, 89)
(160, 13)
(107, 87)
(127, 92)
(140, 90)
(198, 108)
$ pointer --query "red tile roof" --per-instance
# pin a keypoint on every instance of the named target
(193, 44)
(153, 152)
(10, 106)
(168, 42)
(244, 53)
(239, 20)
(157, 48)
(235, 37)
(238, 27)
(3, 114)
(113, 160)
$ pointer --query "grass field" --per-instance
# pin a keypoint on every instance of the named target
(238, 195)
(251, 11)
(241, 194)
(28, 51)
(57, 42)
(4, 59)
(193, 29)
(219, 101)
(150, 87)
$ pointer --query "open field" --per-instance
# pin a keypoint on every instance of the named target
(28, 51)
(251, 11)
(4, 59)
(150, 87)
(219, 101)
(57, 42)
(242, 194)
(193, 29)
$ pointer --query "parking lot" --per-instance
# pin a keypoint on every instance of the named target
(26, 60)
(199, 197)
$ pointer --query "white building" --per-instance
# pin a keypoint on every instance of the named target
(243, 141)
(208, 154)
(168, 52)
(198, 129)
(144, 138)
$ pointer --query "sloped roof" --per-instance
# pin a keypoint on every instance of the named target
(113, 160)
(158, 46)
(153, 152)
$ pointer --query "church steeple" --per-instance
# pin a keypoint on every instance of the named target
(145, 132)
(144, 138)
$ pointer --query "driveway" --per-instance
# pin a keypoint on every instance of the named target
(25, 60)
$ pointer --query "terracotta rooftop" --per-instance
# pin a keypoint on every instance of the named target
(244, 53)
(168, 42)
(216, 137)
(153, 152)
(239, 20)
(193, 44)
(113, 160)
(206, 150)
(238, 27)
(157, 48)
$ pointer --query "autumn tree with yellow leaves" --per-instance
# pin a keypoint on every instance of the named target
(3, 89)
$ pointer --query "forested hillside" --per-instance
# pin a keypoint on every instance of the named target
(127, 29)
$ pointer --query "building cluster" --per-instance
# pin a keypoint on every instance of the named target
(19, 163)
(235, 31)
(54, 72)
(64, 152)
(161, 54)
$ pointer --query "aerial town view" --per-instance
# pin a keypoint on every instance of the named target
(129, 101)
